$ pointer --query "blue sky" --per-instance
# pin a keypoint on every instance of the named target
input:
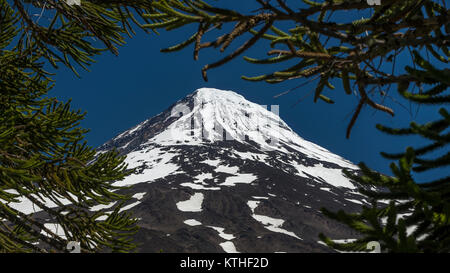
(122, 91)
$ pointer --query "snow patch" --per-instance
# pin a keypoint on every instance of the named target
(354, 201)
(26, 206)
(222, 234)
(272, 224)
(139, 195)
(127, 207)
(227, 169)
(211, 162)
(193, 204)
(260, 197)
(199, 187)
(251, 156)
(54, 228)
(331, 176)
(243, 178)
(228, 247)
(101, 206)
(192, 222)
(202, 177)
(155, 163)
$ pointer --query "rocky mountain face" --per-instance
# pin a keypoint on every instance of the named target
(216, 173)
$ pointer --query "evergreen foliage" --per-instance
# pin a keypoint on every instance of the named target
(44, 161)
(417, 218)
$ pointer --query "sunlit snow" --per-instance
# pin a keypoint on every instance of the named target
(272, 224)
(193, 204)
(222, 234)
(243, 178)
(192, 222)
(228, 247)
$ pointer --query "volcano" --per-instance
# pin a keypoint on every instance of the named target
(218, 173)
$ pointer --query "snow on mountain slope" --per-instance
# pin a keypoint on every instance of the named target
(221, 173)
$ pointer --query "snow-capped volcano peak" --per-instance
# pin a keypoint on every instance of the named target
(226, 115)
(215, 115)
(210, 115)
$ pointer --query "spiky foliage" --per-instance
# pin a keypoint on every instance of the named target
(357, 54)
(64, 33)
(325, 49)
(44, 162)
(417, 218)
